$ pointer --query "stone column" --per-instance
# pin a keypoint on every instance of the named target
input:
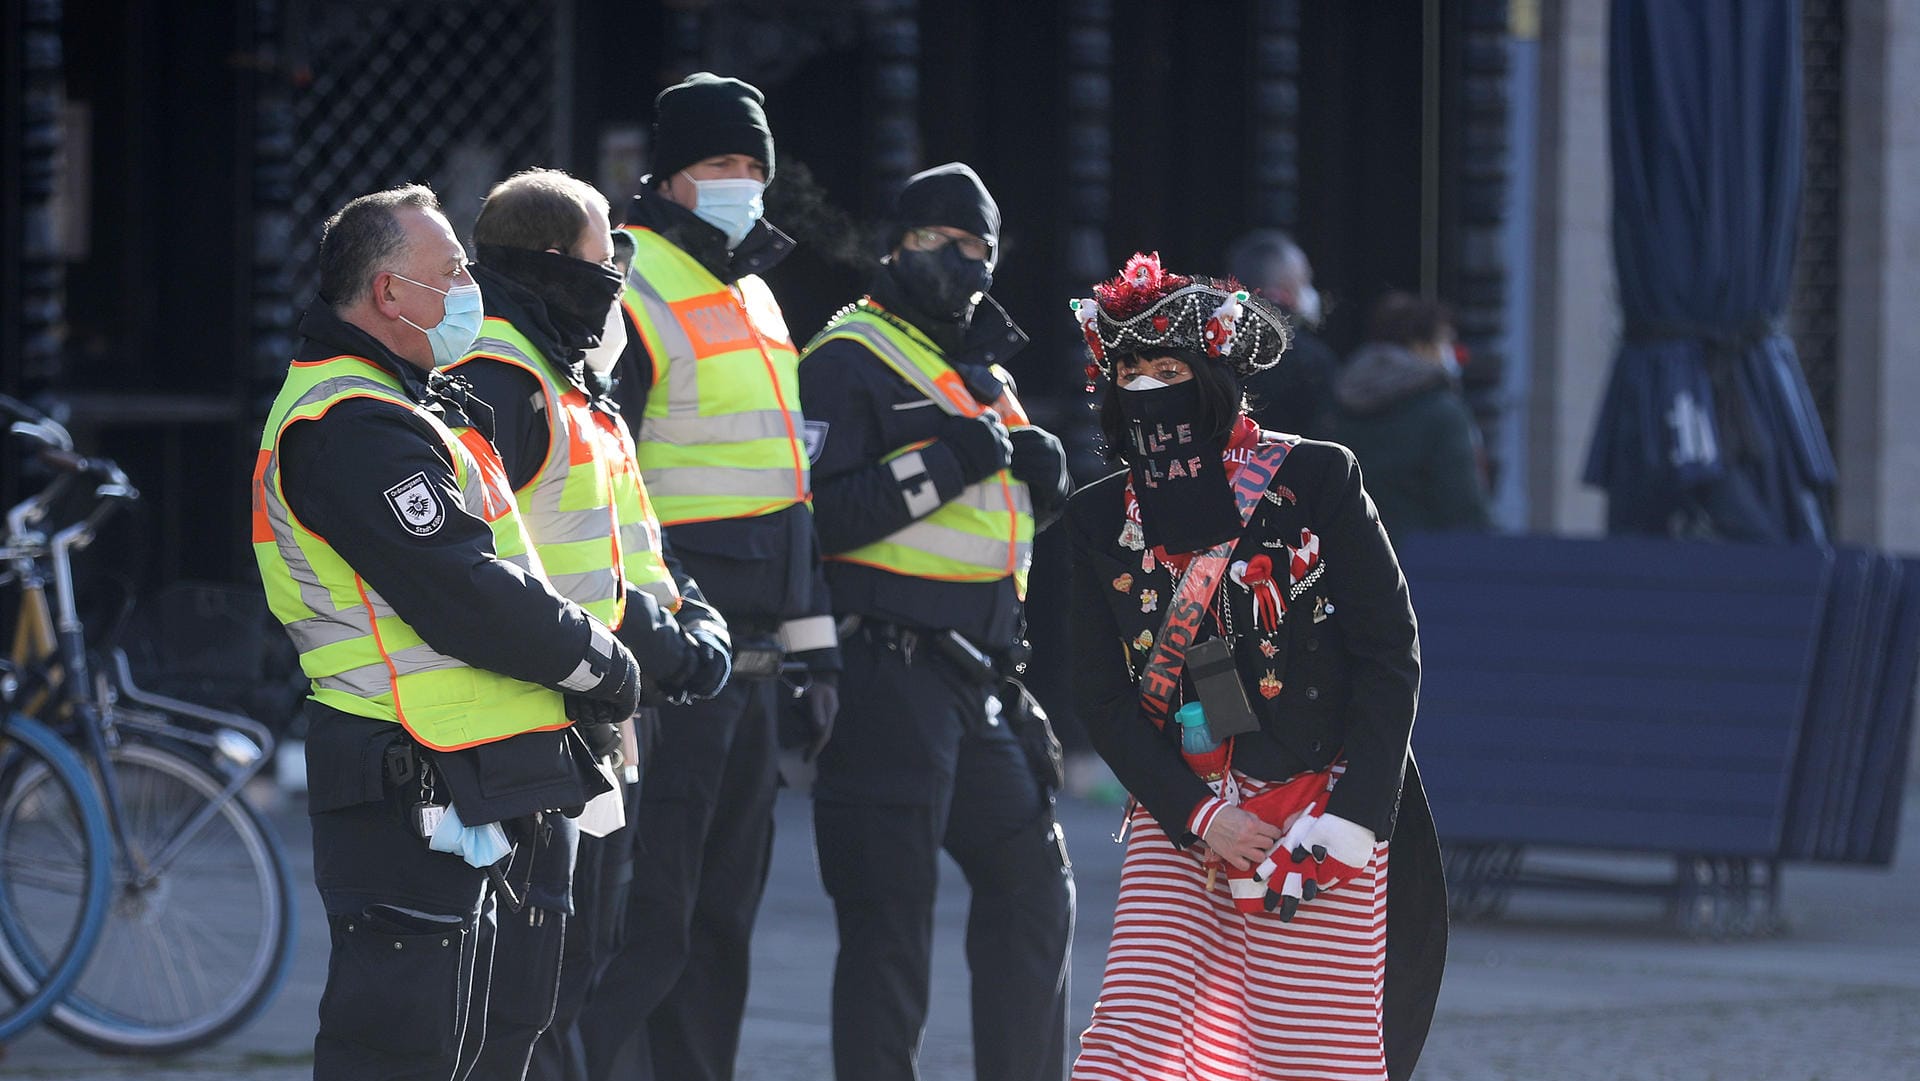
(1576, 316)
(1879, 406)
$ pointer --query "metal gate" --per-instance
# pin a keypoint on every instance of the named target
(458, 94)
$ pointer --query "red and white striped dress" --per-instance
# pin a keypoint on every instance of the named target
(1196, 990)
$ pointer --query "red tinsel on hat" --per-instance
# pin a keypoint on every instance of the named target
(1140, 283)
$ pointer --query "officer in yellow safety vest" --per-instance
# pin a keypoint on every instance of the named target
(929, 482)
(445, 668)
(709, 380)
(546, 266)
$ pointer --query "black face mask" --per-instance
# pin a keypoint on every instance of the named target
(576, 293)
(1186, 503)
(942, 283)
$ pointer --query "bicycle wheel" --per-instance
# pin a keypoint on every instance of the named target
(194, 947)
(55, 866)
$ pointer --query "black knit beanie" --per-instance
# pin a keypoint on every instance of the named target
(951, 195)
(707, 115)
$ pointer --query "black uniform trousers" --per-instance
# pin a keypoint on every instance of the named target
(918, 763)
(602, 873)
(527, 951)
(407, 979)
(669, 1003)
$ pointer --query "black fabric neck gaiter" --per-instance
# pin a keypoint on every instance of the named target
(1186, 502)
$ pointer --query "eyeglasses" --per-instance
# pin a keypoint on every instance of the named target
(924, 239)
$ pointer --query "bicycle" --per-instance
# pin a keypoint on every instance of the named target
(199, 933)
(55, 874)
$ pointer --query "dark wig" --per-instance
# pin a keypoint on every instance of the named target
(1221, 404)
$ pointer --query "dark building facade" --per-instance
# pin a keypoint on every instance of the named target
(167, 167)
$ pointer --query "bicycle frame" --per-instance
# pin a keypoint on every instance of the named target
(49, 641)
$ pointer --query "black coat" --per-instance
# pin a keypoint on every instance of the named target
(1346, 661)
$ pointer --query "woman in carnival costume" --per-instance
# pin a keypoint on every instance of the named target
(1256, 934)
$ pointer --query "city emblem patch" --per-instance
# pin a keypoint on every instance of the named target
(418, 508)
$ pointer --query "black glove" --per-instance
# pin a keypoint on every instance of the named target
(592, 715)
(603, 737)
(822, 700)
(619, 685)
(979, 444)
(657, 640)
(709, 663)
(1038, 459)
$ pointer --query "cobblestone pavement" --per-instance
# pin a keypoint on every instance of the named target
(1560, 989)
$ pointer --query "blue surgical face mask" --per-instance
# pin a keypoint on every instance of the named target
(730, 205)
(459, 328)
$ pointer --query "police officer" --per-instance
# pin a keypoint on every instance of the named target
(710, 373)
(926, 507)
(444, 666)
(546, 267)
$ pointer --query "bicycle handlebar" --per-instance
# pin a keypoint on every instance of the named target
(55, 450)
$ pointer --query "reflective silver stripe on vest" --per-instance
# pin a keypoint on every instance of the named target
(313, 595)
(698, 480)
(585, 587)
(958, 545)
(321, 631)
(902, 364)
(683, 375)
(724, 428)
(368, 681)
(550, 485)
(934, 538)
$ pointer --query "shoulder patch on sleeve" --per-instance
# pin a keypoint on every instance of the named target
(814, 438)
(417, 506)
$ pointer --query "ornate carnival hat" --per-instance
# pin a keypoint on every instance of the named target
(1146, 309)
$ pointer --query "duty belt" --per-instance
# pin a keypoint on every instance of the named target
(972, 662)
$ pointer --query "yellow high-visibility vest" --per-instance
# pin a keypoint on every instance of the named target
(721, 434)
(983, 535)
(586, 507)
(361, 657)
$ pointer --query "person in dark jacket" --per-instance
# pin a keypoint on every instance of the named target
(929, 482)
(546, 267)
(1398, 408)
(1252, 857)
(1297, 396)
(710, 380)
(444, 665)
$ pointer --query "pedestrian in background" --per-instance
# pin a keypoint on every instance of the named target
(553, 329)
(710, 376)
(929, 484)
(1297, 396)
(1237, 581)
(1398, 408)
(444, 666)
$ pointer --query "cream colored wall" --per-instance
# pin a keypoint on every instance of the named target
(1576, 311)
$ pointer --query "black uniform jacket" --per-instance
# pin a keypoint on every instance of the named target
(858, 410)
(759, 571)
(1340, 682)
(449, 586)
(520, 434)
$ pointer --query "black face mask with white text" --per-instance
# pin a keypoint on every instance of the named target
(1186, 502)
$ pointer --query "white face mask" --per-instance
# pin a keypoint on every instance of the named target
(613, 341)
(1144, 382)
(731, 205)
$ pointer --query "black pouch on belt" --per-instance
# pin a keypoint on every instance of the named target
(1031, 727)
